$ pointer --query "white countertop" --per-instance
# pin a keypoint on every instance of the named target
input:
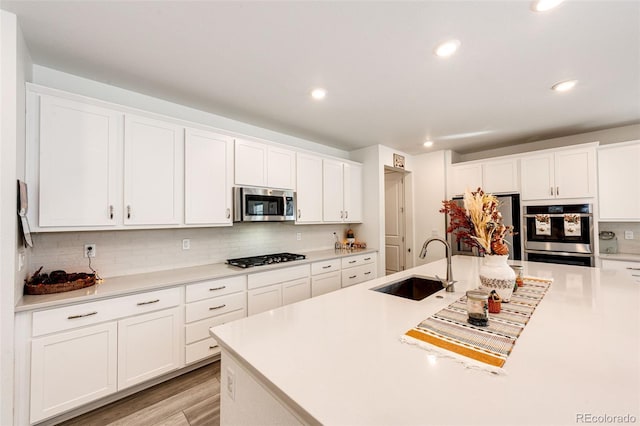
(630, 257)
(127, 284)
(339, 357)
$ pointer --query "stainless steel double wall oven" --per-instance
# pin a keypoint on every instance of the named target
(559, 234)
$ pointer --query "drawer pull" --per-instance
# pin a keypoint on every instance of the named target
(635, 275)
(149, 302)
(217, 307)
(218, 288)
(633, 269)
(82, 315)
(352, 277)
(367, 258)
(352, 261)
(213, 347)
(110, 212)
(367, 273)
(326, 267)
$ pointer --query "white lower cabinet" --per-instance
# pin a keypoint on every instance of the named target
(72, 368)
(271, 289)
(83, 352)
(296, 290)
(148, 346)
(211, 303)
(357, 269)
(325, 277)
(632, 269)
(264, 299)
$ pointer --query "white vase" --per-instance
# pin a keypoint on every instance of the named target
(496, 275)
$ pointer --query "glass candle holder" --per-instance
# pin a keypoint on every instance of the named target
(518, 269)
(478, 307)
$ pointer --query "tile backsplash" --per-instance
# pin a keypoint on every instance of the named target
(624, 246)
(137, 251)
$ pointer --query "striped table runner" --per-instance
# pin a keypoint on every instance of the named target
(448, 329)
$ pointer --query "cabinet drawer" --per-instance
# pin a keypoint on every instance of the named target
(68, 317)
(263, 279)
(357, 260)
(358, 274)
(216, 306)
(630, 268)
(325, 283)
(200, 329)
(325, 266)
(215, 288)
(296, 290)
(201, 350)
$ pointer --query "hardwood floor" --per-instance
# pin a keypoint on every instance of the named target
(192, 399)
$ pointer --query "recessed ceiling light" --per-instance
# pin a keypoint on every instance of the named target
(563, 86)
(428, 144)
(544, 5)
(318, 93)
(447, 48)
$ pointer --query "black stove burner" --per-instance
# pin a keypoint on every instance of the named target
(247, 262)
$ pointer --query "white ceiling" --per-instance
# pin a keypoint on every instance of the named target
(257, 62)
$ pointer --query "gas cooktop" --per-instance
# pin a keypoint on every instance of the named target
(247, 262)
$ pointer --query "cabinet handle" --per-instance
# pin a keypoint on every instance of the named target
(367, 273)
(299, 213)
(128, 212)
(217, 307)
(111, 212)
(346, 214)
(228, 213)
(633, 269)
(213, 347)
(635, 275)
(352, 277)
(326, 267)
(552, 190)
(341, 214)
(367, 258)
(82, 315)
(218, 288)
(149, 302)
(352, 261)
(557, 190)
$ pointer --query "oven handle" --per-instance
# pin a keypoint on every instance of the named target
(560, 253)
(560, 214)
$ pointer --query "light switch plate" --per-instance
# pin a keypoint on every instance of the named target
(628, 235)
(186, 244)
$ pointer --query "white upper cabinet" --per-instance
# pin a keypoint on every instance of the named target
(208, 178)
(259, 164)
(342, 191)
(619, 181)
(152, 171)
(79, 173)
(567, 173)
(493, 176)
(308, 188)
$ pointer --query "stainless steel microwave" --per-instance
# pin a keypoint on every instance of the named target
(263, 205)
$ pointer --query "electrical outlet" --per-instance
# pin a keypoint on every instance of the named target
(186, 244)
(89, 250)
(628, 235)
(20, 261)
(434, 232)
(231, 384)
(299, 236)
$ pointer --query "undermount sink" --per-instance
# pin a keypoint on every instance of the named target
(414, 287)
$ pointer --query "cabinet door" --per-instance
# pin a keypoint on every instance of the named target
(333, 191)
(207, 178)
(264, 298)
(466, 176)
(148, 345)
(308, 188)
(619, 182)
(325, 283)
(152, 175)
(281, 166)
(575, 173)
(250, 163)
(500, 176)
(79, 164)
(537, 177)
(296, 290)
(352, 193)
(72, 368)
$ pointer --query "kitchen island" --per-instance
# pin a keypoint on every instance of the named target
(337, 359)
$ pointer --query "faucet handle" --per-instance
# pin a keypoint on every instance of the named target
(447, 284)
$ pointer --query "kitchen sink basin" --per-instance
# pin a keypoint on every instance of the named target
(414, 288)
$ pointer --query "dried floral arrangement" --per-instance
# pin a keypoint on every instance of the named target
(478, 223)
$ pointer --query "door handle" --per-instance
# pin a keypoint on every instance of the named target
(299, 213)
(551, 190)
(341, 214)
(228, 213)
(346, 214)
(128, 212)
(111, 212)
(557, 190)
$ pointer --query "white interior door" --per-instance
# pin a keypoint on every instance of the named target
(394, 222)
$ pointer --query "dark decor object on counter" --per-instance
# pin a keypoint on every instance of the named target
(57, 282)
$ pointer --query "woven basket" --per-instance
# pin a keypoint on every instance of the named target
(30, 288)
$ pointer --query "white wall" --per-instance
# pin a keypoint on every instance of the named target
(15, 65)
(607, 136)
(83, 86)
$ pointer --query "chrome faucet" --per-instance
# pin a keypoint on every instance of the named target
(448, 282)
